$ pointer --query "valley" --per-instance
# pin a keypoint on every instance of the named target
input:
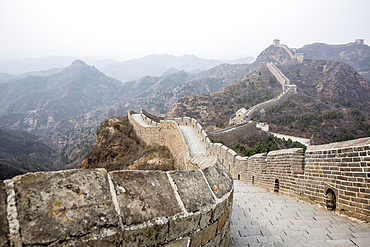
(64, 107)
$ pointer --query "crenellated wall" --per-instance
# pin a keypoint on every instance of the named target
(280, 77)
(186, 207)
(164, 133)
(190, 206)
(235, 133)
(341, 169)
(120, 208)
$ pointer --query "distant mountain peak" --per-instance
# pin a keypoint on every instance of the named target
(78, 63)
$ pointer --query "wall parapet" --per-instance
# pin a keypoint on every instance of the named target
(120, 208)
(339, 168)
(166, 133)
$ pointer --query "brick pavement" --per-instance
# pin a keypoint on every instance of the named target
(261, 218)
(196, 146)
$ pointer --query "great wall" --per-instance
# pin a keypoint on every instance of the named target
(190, 206)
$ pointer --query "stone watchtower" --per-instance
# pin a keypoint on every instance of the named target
(276, 42)
(359, 41)
(299, 57)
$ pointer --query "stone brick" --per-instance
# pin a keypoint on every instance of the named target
(222, 220)
(54, 205)
(147, 235)
(205, 219)
(218, 181)
(178, 243)
(220, 209)
(214, 242)
(193, 199)
(204, 235)
(144, 195)
(183, 226)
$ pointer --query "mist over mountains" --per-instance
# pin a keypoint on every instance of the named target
(62, 107)
(133, 69)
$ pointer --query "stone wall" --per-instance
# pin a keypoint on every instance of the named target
(289, 51)
(280, 77)
(167, 134)
(234, 134)
(123, 208)
(150, 116)
(120, 208)
(339, 168)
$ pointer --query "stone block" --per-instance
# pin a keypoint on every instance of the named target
(178, 243)
(146, 234)
(183, 226)
(214, 242)
(204, 235)
(219, 183)
(223, 219)
(220, 209)
(144, 195)
(103, 237)
(4, 229)
(205, 219)
(186, 182)
(53, 206)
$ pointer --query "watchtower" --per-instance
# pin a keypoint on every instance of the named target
(299, 57)
(276, 42)
(359, 41)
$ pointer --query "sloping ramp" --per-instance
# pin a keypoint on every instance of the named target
(193, 141)
(139, 120)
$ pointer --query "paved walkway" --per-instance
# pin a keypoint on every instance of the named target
(139, 120)
(261, 218)
(193, 141)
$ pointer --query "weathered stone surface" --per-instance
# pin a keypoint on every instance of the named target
(204, 235)
(4, 229)
(103, 238)
(225, 174)
(55, 205)
(178, 243)
(219, 183)
(205, 219)
(144, 195)
(148, 234)
(193, 199)
(182, 226)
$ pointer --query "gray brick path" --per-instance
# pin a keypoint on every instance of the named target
(193, 141)
(261, 218)
(139, 120)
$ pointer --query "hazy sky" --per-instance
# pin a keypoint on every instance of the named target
(212, 29)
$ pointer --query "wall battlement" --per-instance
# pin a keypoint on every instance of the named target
(336, 170)
(190, 206)
(249, 114)
(176, 208)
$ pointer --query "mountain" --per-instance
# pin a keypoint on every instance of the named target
(22, 152)
(4, 77)
(151, 65)
(21, 66)
(332, 103)
(157, 65)
(355, 54)
(218, 107)
(43, 100)
(66, 107)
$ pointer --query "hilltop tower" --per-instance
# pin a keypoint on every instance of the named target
(359, 41)
(276, 42)
(299, 57)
